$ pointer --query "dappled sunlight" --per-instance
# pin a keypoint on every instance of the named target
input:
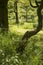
(17, 29)
(21, 38)
(21, 29)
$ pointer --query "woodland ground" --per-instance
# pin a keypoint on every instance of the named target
(33, 53)
(8, 43)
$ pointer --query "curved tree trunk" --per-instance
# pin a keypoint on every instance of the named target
(3, 15)
(29, 34)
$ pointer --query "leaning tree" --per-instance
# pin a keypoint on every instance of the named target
(28, 34)
(4, 15)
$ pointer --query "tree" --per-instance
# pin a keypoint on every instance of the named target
(16, 10)
(29, 34)
(4, 15)
(25, 6)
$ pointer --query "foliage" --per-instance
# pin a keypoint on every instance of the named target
(33, 54)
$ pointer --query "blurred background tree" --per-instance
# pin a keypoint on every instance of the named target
(4, 15)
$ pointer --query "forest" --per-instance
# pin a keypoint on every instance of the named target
(21, 32)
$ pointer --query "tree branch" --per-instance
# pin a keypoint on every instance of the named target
(32, 5)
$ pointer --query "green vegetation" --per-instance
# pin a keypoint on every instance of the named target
(33, 53)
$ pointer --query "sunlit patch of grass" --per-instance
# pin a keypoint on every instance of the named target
(20, 29)
(17, 29)
(28, 25)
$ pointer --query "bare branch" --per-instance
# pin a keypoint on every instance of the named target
(32, 5)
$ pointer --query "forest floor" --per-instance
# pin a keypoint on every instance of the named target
(9, 42)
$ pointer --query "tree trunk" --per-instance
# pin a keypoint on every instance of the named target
(16, 11)
(3, 15)
(29, 34)
(26, 15)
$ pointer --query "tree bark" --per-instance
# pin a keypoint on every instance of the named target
(3, 15)
(26, 15)
(29, 34)
(16, 11)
